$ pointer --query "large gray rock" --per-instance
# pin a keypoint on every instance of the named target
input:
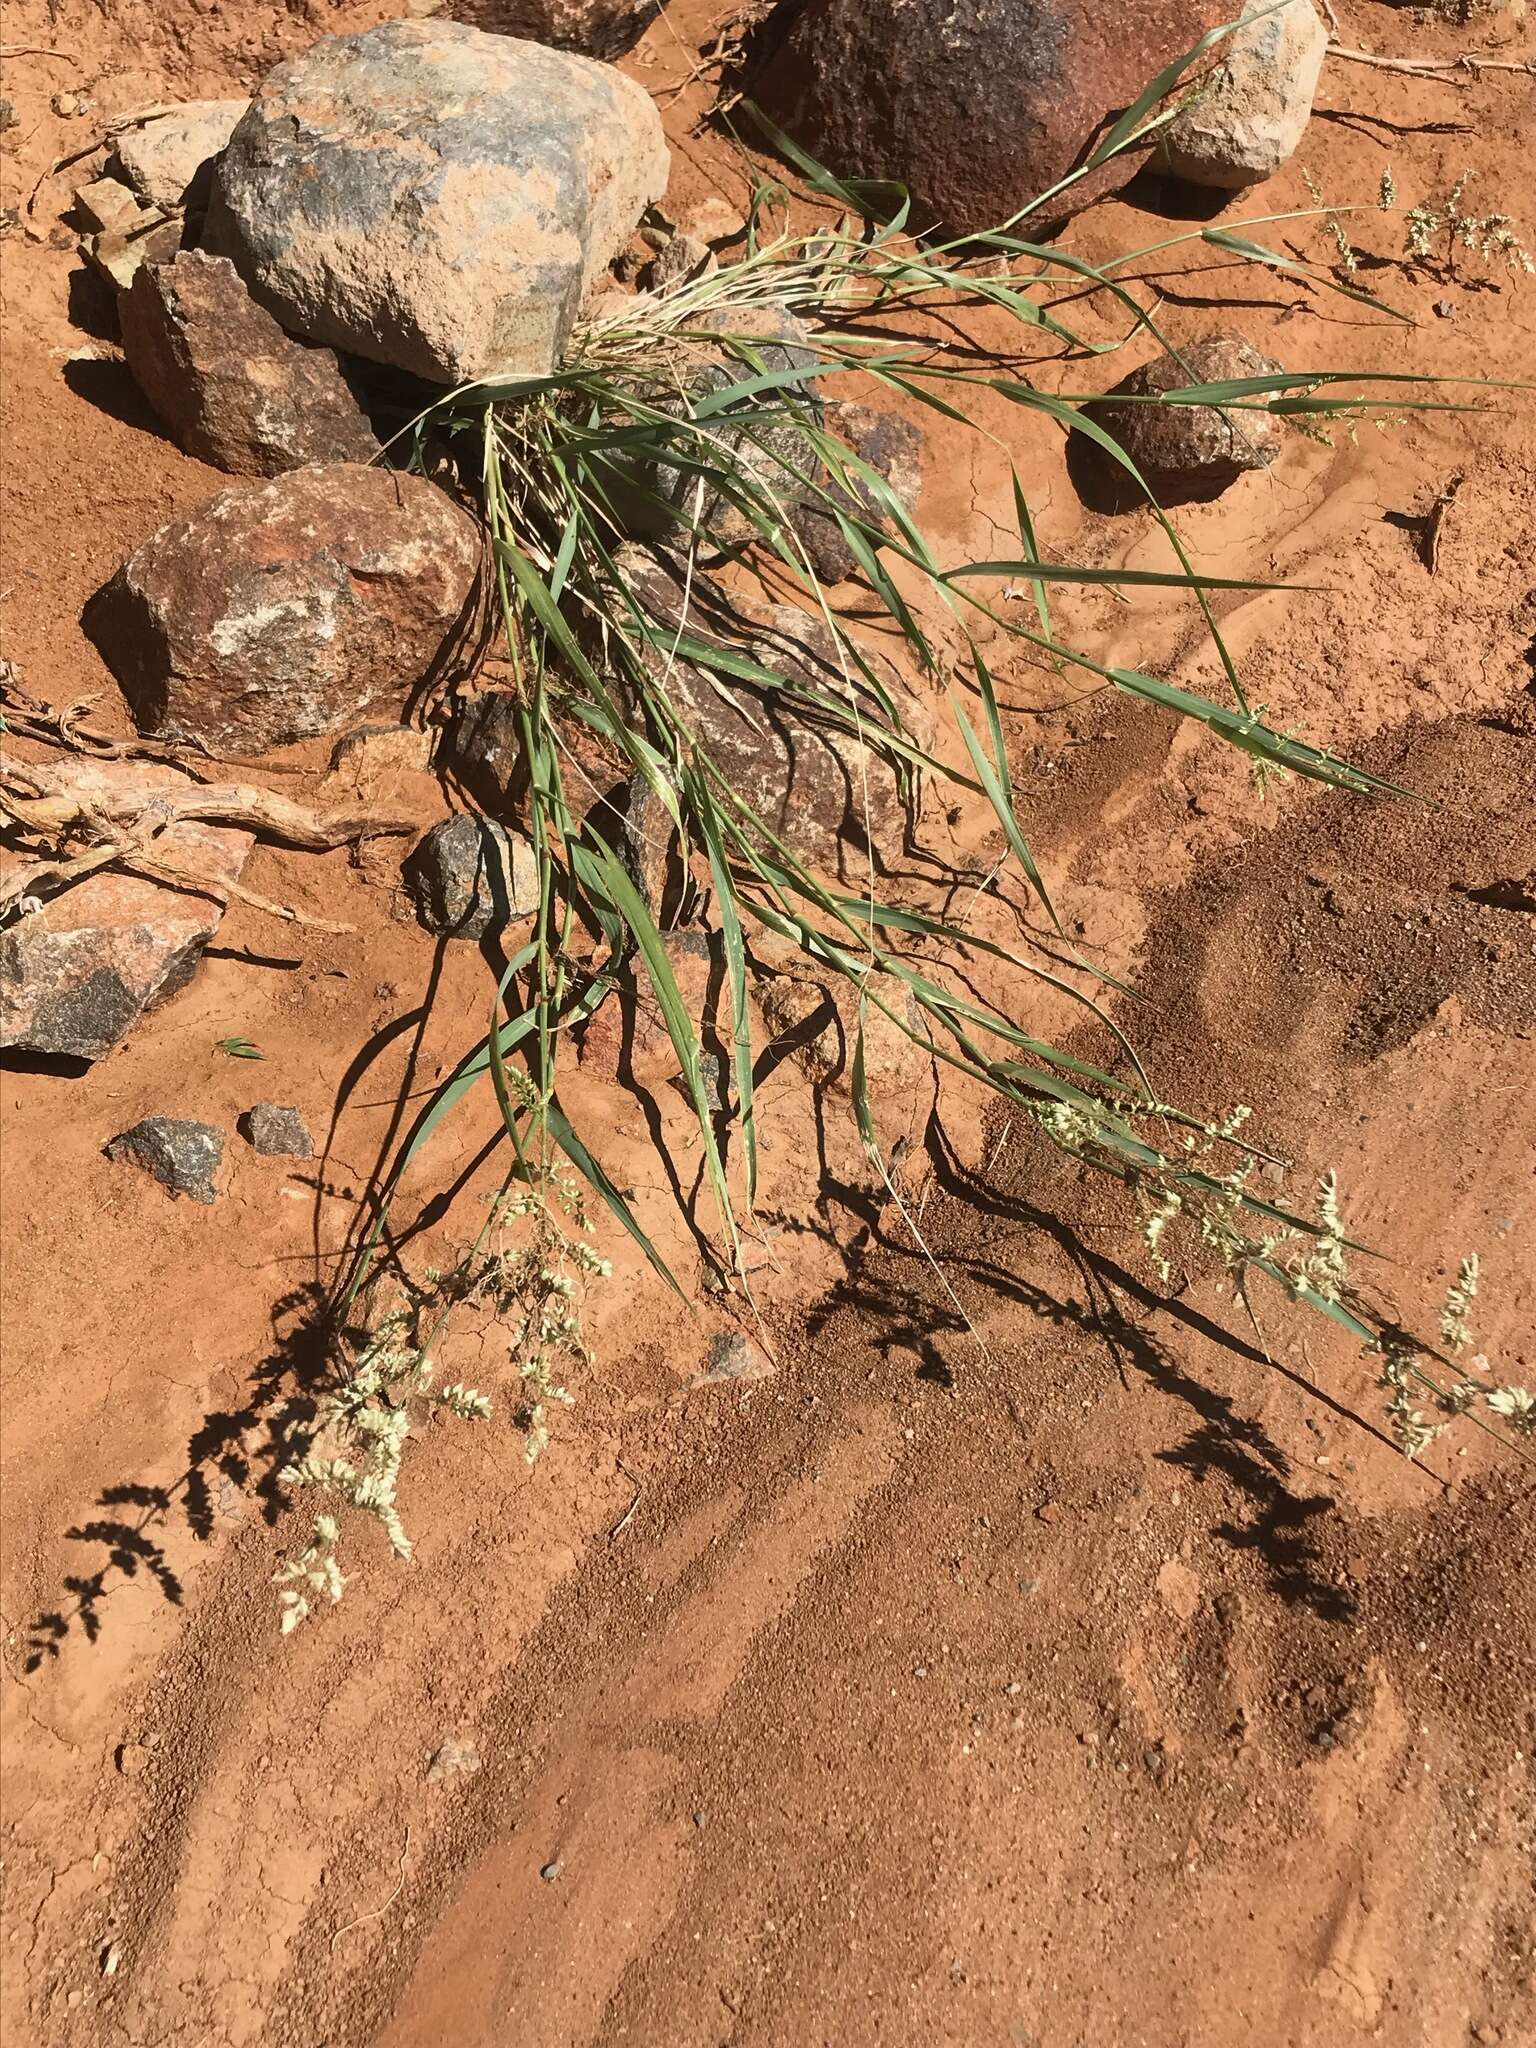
(597, 28)
(1247, 119)
(435, 198)
(229, 385)
(280, 610)
(167, 154)
(77, 973)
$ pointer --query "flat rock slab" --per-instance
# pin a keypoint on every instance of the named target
(167, 153)
(830, 795)
(77, 974)
(280, 610)
(183, 1155)
(435, 198)
(977, 109)
(230, 386)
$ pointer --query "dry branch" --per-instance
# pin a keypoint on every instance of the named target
(1443, 69)
(37, 805)
(122, 829)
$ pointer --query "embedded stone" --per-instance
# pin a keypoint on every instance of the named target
(180, 1153)
(470, 877)
(1199, 449)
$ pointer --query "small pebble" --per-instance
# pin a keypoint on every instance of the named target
(1050, 1511)
(277, 1130)
(132, 1757)
(453, 1758)
(551, 1871)
(700, 1818)
(111, 1957)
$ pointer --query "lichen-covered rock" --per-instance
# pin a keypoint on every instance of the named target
(280, 610)
(167, 154)
(769, 450)
(1199, 449)
(829, 794)
(470, 877)
(180, 1153)
(230, 386)
(277, 1130)
(597, 28)
(435, 198)
(77, 973)
(979, 109)
(1248, 117)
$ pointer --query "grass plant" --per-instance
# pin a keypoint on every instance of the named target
(626, 434)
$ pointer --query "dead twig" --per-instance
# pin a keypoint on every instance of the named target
(124, 829)
(224, 892)
(50, 812)
(1442, 69)
(1434, 524)
(378, 1912)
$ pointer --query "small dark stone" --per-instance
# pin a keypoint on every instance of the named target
(1199, 449)
(483, 746)
(277, 1130)
(470, 876)
(181, 1154)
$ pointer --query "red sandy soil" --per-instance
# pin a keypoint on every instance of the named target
(1109, 1680)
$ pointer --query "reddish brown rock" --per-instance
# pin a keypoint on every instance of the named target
(230, 386)
(280, 610)
(979, 109)
(595, 28)
(78, 973)
(1196, 449)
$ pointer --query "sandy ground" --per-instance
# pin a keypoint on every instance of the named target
(1096, 1675)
